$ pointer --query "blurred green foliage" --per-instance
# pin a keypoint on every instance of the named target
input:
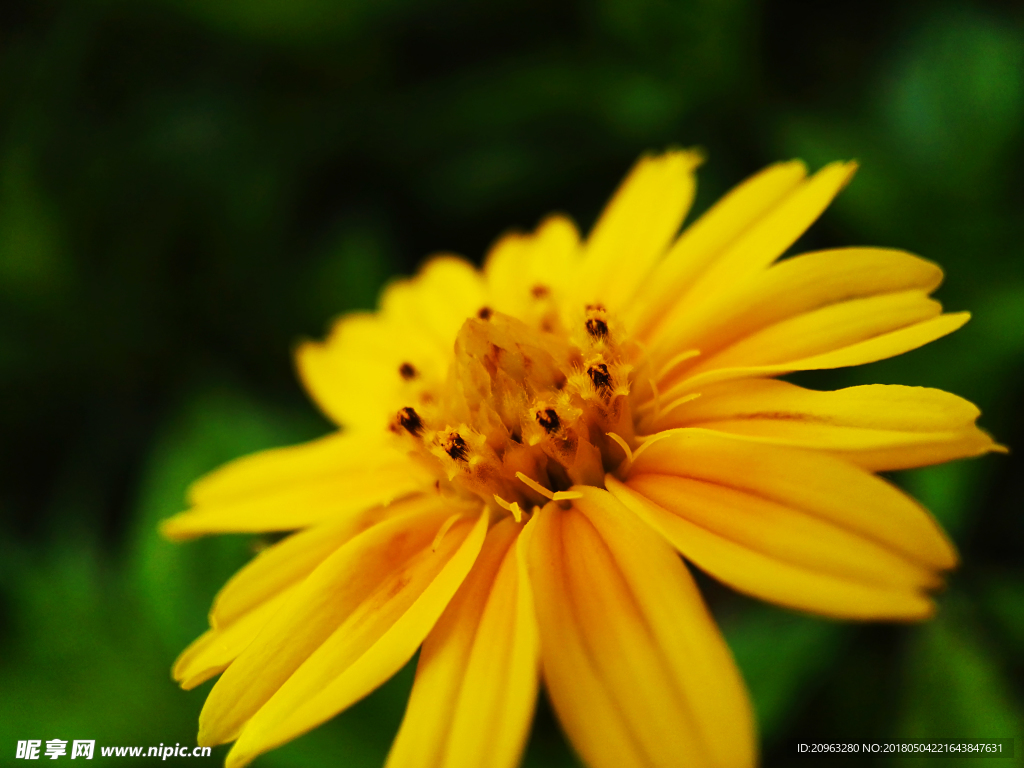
(188, 187)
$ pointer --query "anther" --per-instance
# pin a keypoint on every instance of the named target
(597, 328)
(484, 313)
(456, 447)
(406, 371)
(410, 420)
(549, 420)
(599, 376)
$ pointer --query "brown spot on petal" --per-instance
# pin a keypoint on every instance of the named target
(485, 313)
(406, 371)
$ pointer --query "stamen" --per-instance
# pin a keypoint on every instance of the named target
(644, 408)
(514, 508)
(599, 376)
(680, 401)
(657, 396)
(410, 420)
(649, 440)
(566, 495)
(673, 362)
(529, 481)
(597, 328)
(624, 446)
(519, 404)
(445, 527)
(549, 420)
(457, 448)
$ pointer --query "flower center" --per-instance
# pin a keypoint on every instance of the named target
(526, 410)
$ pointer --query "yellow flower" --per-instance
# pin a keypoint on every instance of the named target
(527, 449)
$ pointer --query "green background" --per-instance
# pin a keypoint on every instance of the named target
(189, 187)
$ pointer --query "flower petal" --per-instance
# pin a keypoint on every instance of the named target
(743, 233)
(701, 242)
(360, 617)
(768, 521)
(880, 427)
(792, 287)
(634, 665)
(824, 330)
(290, 561)
(253, 595)
(769, 238)
(323, 601)
(526, 271)
(289, 488)
(445, 292)
(477, 678)
(637, 225)
(355, 376)
(869, 350)
(212, 652)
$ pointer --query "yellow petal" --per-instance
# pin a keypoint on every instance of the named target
(289, 488)
(212, 652)
(768, 520)
(376, 637)
(477, 678)
(636, 670)
(637, 226)
(880, 427)
(704, 240)
(253, 595)
(804, 480)
(268, 471)
(324, 600)
(767, 576)
(748, 244)
(446, 292)
(290, 561)
(527, 272)
(824, 330)
(355, 375)
(769, 238)
(858, 353)
(792, 287)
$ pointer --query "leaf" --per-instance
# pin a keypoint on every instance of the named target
(954, 688)
(781, 655)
